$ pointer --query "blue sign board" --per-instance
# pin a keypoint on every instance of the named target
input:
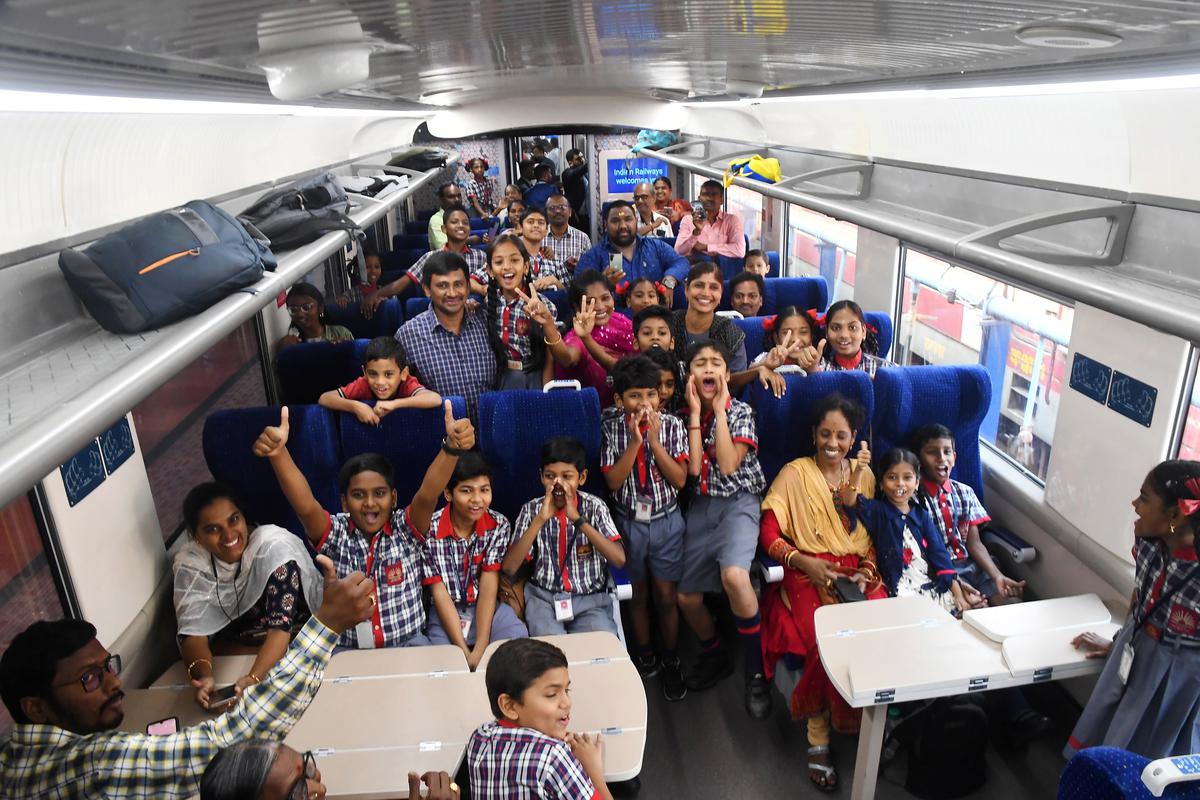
(624, 174)
(83, 473)
(116, 444)
(1090, 378)
(1132, 398)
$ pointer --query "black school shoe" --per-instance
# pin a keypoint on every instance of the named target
(710, 669)
(674, 689)
(647, 665)
(758, 697)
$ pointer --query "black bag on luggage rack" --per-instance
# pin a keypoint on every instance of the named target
(165, 267)
(302, 212)
(421, 159)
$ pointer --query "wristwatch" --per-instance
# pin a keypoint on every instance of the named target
(670, 282)
(451, 451)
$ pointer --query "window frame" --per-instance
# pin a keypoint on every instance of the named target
(897, 317)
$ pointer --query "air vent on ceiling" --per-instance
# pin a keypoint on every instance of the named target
(1067, 37)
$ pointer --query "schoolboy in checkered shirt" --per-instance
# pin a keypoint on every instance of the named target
(372, 535)
(722, 522)
(526, 752)
(467, 542)
(644, 461)
(570, 537)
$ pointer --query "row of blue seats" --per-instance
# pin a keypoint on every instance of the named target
(513, 425)
(306, 370)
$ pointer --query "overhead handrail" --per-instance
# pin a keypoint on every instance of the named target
(35, 445)
(1119, 215)
(864, 172)
(1158, 307)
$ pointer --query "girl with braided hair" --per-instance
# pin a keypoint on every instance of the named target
(1148, 697)
(521, 322)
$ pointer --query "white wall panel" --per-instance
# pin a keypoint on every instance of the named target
(1131, 141)
(77, 172)
(112, 544)
(559, 112)
(1100, 457)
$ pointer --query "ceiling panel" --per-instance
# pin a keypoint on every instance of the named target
(457, 51)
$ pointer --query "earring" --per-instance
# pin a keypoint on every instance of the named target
(1172, 527)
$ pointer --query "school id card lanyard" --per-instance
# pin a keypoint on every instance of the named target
(564, 608)
(643, 505)
(369, 632)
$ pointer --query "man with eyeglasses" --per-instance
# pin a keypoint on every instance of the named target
(567, 243)
(60, 686)
(624, 256)
(650, 222)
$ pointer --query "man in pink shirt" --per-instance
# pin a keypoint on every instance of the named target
(711, 232)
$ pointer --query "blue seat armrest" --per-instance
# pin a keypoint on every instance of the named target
(1019, 550)
(772, 570)
(620, 579)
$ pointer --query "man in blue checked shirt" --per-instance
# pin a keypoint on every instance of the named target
(640, 256)
(60, 686)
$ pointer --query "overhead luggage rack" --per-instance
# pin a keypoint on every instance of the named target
(1094, 277)
(65, 392)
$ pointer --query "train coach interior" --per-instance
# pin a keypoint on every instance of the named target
(1010, 185)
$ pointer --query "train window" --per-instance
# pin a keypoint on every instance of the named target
(821, 245)
(170, 421)
(748, 205)
(951, 314)
(27, 590)
(1189, 445)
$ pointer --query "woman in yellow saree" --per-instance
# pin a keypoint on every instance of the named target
(805, 528)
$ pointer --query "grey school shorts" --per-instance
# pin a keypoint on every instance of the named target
(722, 532)
(652, 548)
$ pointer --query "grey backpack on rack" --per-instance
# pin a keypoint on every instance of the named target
(302, 212)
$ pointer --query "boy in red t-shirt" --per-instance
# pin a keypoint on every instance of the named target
(386, 380)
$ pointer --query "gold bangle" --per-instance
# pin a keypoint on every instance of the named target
(194, 663)
(550, 343)
(255, 677)
(694, 427)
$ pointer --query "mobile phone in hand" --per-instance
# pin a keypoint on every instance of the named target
(222, 697)
(847, 590)
(697, 208)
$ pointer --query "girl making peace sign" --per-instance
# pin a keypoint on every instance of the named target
(599, 337)
(521, 322)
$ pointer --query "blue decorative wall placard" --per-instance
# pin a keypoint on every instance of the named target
(83, 473)
(1090, 378)
(116, 445)
(1132, 398)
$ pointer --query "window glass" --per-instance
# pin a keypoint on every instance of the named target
(170, 421)
(821, 245)
(27, 590)
(1189, 446)
(748, 205)
(954, 315)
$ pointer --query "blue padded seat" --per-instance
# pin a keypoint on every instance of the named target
(1108, 773)
(957, 397)
(785, 423)
(307, 369)
(410, 241)
(387, 318)
(883, 324)
(753, 328)
(805, 293)
(227, 440)
(512, 428)
(426, 214)
(773, 264)
(415, 226)
(409, 437)
(414, 306)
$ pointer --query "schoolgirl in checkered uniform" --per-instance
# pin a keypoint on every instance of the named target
(1147, 699)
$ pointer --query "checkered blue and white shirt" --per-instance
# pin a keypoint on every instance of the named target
(396, 558)
(507, 762)
(954, 508)
(552, 267)
(451, 364)
(748, 477)
(515, 327)
(573, 245)
(645, 479)
(476, 264)
(563, 558)
(1166, 587)
(460, 562)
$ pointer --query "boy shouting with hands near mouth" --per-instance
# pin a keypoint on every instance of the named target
(644, 464)
(722, 523)
(570, 537)
(372, 534)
